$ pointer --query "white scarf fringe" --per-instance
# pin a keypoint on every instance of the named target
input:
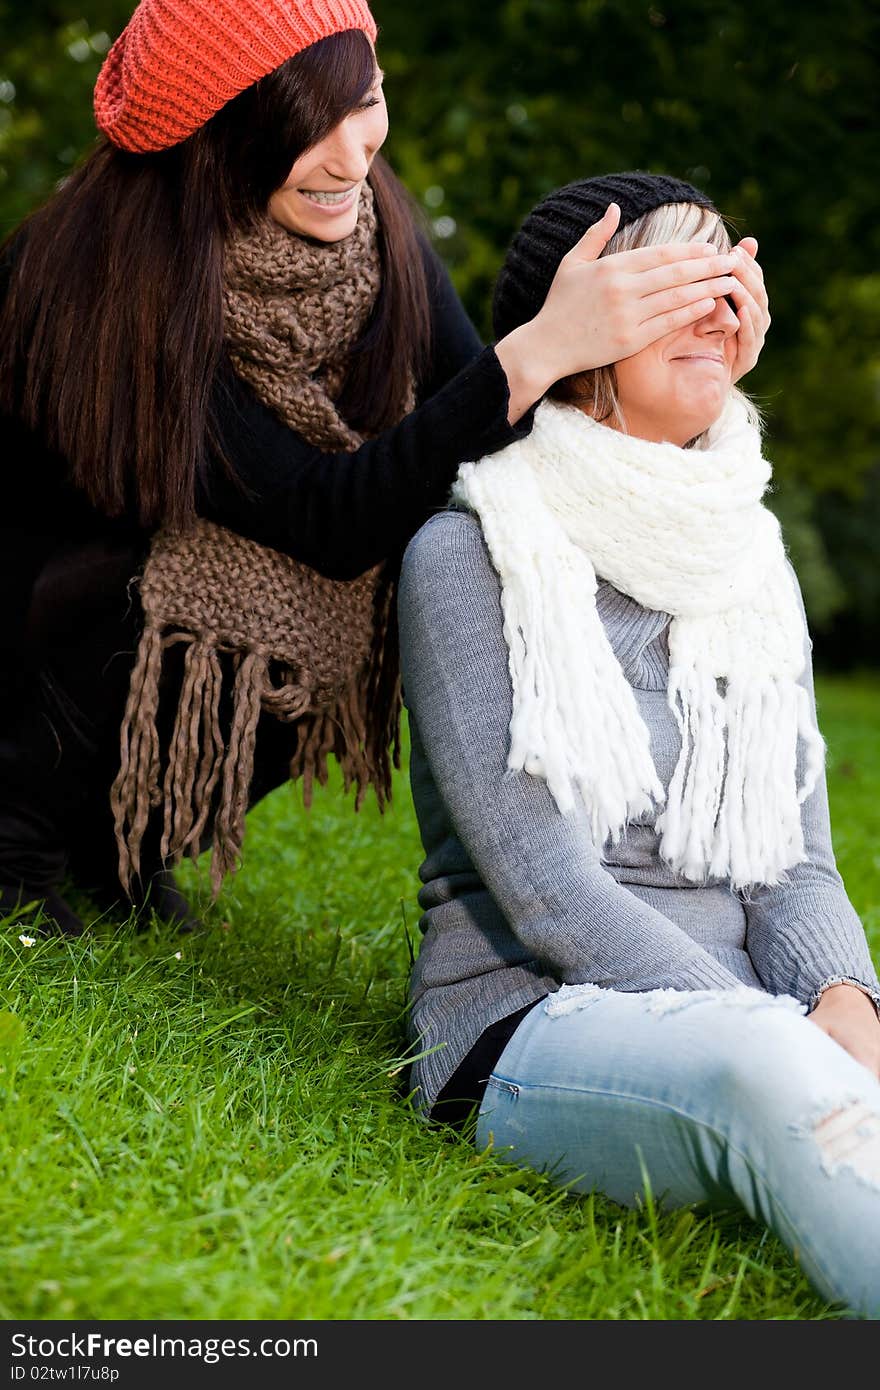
(683, 532)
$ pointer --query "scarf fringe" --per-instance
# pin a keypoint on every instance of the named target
(135, 790)
(575, 721)
(733, 804)
(360, 728)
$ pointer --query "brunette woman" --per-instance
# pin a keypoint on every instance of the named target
(234, 379)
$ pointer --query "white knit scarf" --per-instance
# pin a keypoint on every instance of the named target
(683, 532)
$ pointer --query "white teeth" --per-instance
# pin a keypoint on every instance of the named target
(329, 198)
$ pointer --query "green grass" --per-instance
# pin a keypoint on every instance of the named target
(211, 1127)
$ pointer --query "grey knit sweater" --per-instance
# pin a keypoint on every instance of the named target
(516, 898)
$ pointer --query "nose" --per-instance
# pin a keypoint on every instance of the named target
(348, 156)
(721, 319)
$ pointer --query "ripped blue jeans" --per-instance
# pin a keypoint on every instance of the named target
(732, 1098)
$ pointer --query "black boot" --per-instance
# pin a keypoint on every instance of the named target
(157, 893)
(170, 905)
(47, 907)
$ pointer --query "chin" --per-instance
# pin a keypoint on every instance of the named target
(698, 421)
(316, 229)
(324, 233)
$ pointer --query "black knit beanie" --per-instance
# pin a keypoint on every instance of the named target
(558, 223)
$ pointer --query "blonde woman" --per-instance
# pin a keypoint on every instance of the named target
(639, 961)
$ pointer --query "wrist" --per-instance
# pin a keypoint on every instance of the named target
(523, 357)
(841, 986)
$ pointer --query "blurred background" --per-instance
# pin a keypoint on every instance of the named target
(772, 109)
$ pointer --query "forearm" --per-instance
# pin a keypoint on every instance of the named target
(340, 512)
(539, 866)
(804, 933)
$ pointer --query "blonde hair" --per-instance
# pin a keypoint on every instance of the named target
(596, 390)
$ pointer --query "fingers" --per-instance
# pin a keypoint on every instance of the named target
(683, 296)
(753, 322)
(858, 1042)
(750, 298)
(650, 257)
(597, 237)
(657, 327)
(685, 272)
(749, 339)
(750, 273)
(749, 312)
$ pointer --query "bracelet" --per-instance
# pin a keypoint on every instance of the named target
(872, 994)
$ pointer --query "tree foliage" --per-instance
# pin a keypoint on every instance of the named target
(769, 108)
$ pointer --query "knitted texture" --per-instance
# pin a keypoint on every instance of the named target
(683, 532)
(559, 221)
(318, 652)
(178, 61)
(293, 311)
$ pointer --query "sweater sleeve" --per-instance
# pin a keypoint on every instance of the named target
(341, 512)
(539, 865)
(804, 934)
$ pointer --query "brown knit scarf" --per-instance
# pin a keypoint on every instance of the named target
(308, 649)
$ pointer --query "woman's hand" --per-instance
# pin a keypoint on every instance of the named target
(598, 311)
(848, 1016)
(750, 298)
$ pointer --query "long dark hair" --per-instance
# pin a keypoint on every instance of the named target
(112, 329)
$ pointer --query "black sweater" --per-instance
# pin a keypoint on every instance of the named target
(62, 563)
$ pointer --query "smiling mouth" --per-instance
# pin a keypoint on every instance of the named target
(700, 357)
(326, 199)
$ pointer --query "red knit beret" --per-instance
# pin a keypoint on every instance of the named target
(178, 61)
